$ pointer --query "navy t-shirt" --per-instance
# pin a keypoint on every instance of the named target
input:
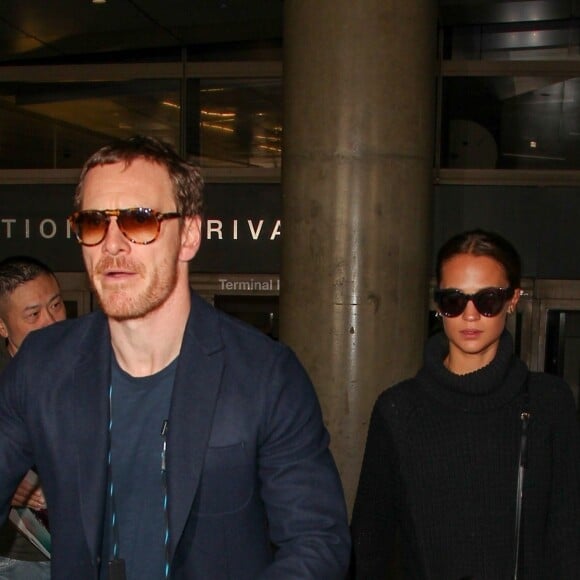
(139, 405)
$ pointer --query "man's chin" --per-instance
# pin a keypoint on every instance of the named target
(119, 308)
(123, 309)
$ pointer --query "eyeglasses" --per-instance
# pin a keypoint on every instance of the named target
(488, 301)
(140, 225)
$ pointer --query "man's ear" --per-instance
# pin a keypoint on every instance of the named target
(3, 329)
(190, 237)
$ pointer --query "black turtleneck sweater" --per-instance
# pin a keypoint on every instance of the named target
(440, 472)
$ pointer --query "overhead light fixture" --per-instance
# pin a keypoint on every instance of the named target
(99, 1)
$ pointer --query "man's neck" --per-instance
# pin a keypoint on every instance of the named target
(144, 346)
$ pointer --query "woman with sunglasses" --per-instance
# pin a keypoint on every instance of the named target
(474, 464)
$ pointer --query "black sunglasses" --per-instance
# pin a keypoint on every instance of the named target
(140, 225)
(488, 301)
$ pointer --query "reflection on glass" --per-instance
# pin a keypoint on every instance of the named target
(563, 347)
(48, 125)
(511, 123)
(259, 311)
(523, 35)
(240, 123)
(72, 308)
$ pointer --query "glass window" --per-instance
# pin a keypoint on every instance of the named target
(510, 123)
(514, 31)
(58, 126)
(239, 121)
(563, 346)
(259, 311)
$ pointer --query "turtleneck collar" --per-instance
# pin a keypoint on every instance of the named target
(492, 386)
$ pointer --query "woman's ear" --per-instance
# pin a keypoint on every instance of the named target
(514, 300)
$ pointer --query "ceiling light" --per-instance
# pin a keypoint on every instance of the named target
(218, 114)
(99, 1)
(218, 127)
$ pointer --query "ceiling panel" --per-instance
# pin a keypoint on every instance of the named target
(39, 28)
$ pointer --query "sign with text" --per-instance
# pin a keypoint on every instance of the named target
(242, 227)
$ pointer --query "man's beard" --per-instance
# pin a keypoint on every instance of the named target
(124, 301)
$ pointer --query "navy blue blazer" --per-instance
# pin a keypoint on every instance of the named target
(253, 489)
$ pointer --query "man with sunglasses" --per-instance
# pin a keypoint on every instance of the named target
(173, 441)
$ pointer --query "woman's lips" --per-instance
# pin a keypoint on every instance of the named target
(470, 333)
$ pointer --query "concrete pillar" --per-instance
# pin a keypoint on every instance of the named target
(359, 91)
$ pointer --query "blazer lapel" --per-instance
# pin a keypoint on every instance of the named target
(91, 382)
(194, 399)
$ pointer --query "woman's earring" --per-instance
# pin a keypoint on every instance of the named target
(438, 315)
(510, 309)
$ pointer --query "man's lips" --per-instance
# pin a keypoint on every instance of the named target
(109, 269)
(117, 275)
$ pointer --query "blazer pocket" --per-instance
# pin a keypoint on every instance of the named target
(227, 480)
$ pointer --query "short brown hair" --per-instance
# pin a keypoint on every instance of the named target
(186, 178)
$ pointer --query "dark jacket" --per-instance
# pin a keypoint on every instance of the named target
(248, 463)
(440, 473)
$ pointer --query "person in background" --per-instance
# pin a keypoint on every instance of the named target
(449, 452)
(29, 299)
(172, 440)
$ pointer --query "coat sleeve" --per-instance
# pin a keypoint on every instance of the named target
(563, 526)
(374, 513)
(15, 448)
(299, 481)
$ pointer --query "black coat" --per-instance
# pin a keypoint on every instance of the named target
(440, 474)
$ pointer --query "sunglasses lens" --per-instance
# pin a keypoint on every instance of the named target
(451, 303)
(489, 302)
(90, 227)
(139, 225)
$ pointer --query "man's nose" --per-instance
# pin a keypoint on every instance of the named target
(114, 241)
